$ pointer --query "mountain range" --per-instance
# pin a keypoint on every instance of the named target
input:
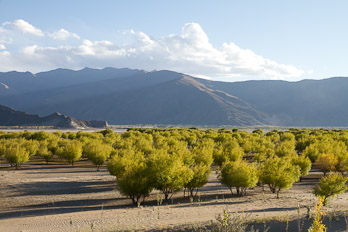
(11, 117)
(129, 96)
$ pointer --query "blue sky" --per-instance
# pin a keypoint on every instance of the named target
(222, 40)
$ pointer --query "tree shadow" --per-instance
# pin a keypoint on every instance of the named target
(63, 187)
(70, 206)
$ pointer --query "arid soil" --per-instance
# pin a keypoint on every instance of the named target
(58, 197)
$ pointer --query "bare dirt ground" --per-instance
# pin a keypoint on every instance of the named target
(58, 197)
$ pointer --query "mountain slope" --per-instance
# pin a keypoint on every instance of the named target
(303, 103)
(125, 96)
(11, 117)
(181, 100)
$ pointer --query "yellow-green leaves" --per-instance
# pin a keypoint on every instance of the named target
(279, 173)
(330, 186)
(239, 174)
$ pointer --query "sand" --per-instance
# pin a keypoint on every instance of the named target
(58, 197)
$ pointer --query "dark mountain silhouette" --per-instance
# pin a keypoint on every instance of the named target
(11, 117)
(125, 96)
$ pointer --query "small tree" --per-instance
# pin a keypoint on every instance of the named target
(31, 146)
(16, 155)
(43, 151)
(304, 163)
(279, 174)
(70, 150)
(202, 155)
(342, 164)
(132, 174)
(239, 174)
(169, 173)
(330, 186)
(97, 152)
(230, 151)
(326, 163)
(201, 173)
(286, 148)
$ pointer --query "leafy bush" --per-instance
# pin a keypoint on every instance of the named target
(330, 186)
(16, 154)
(97, 152)
(279, 174)
(239, 174)
(71, 150)
(326, 163)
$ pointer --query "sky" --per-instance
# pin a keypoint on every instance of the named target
(218, 40)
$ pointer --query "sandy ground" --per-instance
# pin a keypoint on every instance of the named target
(58, 197)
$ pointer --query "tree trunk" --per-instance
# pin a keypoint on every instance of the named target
(191, 192)
(231, 190)
(196, 192)
(133, 200)
(166, 196)
(278, 193)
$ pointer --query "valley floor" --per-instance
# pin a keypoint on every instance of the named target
(58, 197)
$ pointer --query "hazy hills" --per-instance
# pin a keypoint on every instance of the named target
(125, 96)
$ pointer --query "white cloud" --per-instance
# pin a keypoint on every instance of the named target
(63, 34)
(2, 47)
(189, 52)
(23, 26)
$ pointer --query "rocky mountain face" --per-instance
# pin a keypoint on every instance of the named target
(11, 117)
(125, 96)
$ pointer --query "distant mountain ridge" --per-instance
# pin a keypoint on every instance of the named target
(126, 96)
(11, 117)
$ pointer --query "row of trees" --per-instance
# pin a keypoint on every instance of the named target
(174, 159)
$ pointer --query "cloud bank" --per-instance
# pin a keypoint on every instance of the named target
(189, 52)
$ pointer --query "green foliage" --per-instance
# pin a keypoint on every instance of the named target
(286, 148)
(44, 152)
(201, 173)
(97, 152)
(326, 163)
(70, 150)
(330, 186)
(342, 164)
(40, 136)
(259, 132)
(31, 146)
(202, 155)
(279, 173)
(239, 174)
(171, 159)
(229, 151)
(168, 173)
(312, 151)
(132, 173)
(16, 154)
(318, 225)
(304, 163)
